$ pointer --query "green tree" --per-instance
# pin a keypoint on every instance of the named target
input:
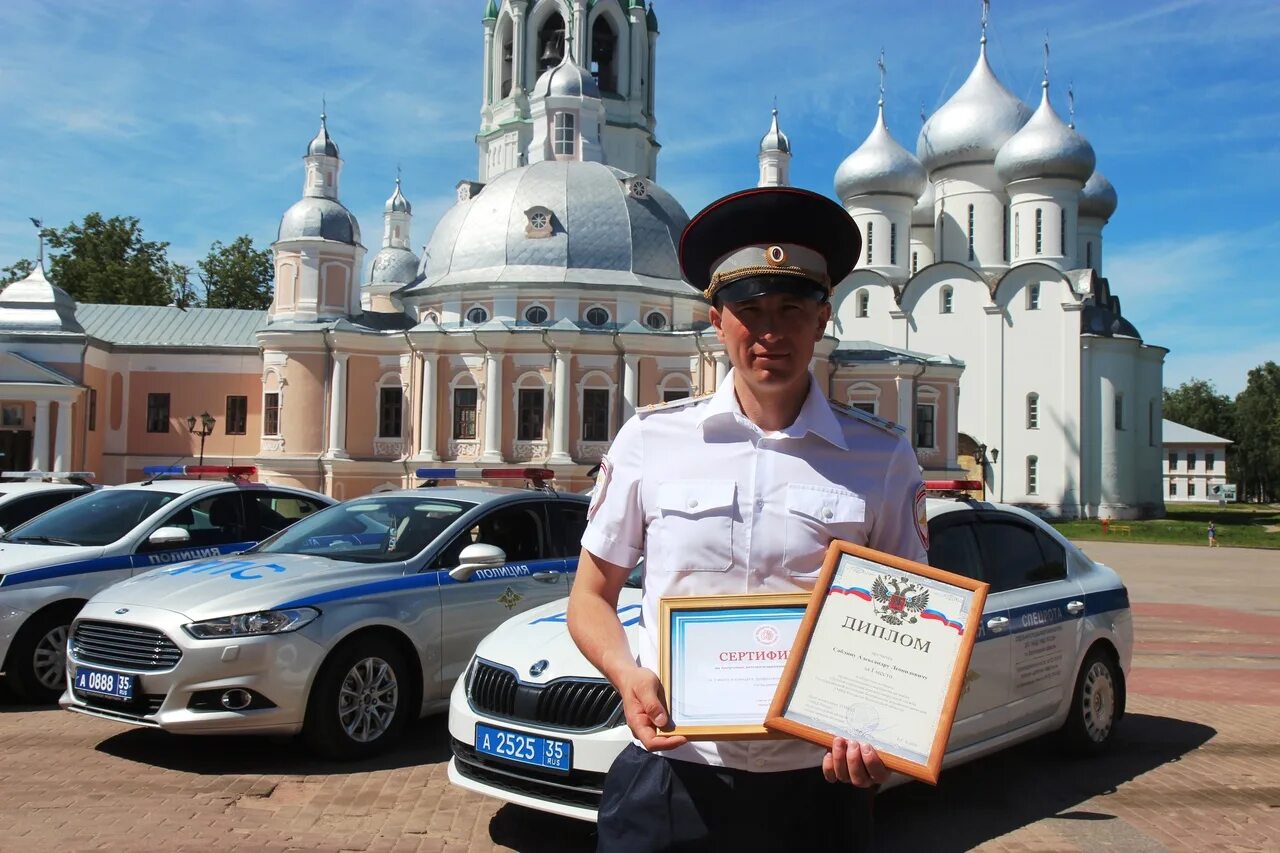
(19, 269)
(237, 276)
(1258, 424)
(1198, 404)
(184, 292)
(108, 261)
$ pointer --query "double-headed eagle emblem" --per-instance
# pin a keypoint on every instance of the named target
(898, 600)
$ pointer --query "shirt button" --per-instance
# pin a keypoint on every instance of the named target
(759, 762)
(692, 504)
(760, 504)
(826, 514)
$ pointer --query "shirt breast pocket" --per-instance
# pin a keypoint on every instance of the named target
(694, 528)
(816, 515)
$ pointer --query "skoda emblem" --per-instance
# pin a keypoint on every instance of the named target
(122, 611)
(538, 668)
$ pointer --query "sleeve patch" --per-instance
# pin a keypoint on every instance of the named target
(922, 517)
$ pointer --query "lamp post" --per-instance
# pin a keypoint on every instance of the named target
(207, 422)
(981, 457)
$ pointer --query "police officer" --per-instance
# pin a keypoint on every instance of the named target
(741, 492)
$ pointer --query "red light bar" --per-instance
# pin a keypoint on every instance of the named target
(953, 485)
(517, 473)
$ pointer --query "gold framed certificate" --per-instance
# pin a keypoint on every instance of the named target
(720, 658)
(880, 658)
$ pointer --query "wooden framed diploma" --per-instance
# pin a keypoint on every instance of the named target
(881, 658)
(720, 658)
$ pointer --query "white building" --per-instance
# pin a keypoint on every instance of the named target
(1194, 462)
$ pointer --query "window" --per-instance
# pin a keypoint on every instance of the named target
(656, 320)
(868, 407)
(1208, 463)
(1019, 554)
(595, 414)
(870, 238)
(972, 256)
(1033, 475)
(1119, 411)
(673, 394)
(1088, 255)
(1151, 423)
(529, 401)
(237, 419)
(157, 413)
(215, 520)
(864, 303)
(1033, 411)
(1004, 234)
(893, 243)
(568, 523)
(535, 314)
(597, 316)
(271, 413)
(1173, 462)
(1062, 231)
(563, 124)
(93, 411)
(603, 46)
(954, 547)
(390, 411)
(1017, 235)
(946, 301)
(1191, 462)
(464, 413)
(1191, 489)
(1033, 297)
(915, 262)
(270, 512)
(19, 511)
(1173, 489)
(477, 315)
(1039, 231)
(518, 530)
(924, 425)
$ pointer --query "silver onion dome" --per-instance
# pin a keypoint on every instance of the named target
(1045, 148)
(568, 79)
(1098, 198)
(322, 144)
(880, 166)
(558, 222)
(775, 139)
(323, 218)
(973, 124)
(394, 265)
(922, 213)
(397, 203)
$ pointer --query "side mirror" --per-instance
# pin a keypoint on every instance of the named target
(169, 536)
(477, 556)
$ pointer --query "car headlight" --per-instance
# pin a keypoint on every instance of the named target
(253, 624)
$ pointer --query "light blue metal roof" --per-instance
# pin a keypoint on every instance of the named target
(162, 326)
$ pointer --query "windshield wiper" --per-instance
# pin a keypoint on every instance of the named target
(43, 540)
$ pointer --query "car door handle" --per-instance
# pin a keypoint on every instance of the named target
(546, 577)
(1075, 608)
(998, 623)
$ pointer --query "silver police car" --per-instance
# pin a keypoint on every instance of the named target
(343, 627)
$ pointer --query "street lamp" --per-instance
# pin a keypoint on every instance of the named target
(981, 457)
(206, 429)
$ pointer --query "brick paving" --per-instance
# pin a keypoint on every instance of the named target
(1196, 764)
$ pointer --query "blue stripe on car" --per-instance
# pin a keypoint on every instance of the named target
(1042, 614)
(116, 563)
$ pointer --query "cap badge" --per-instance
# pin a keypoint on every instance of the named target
(775, 256)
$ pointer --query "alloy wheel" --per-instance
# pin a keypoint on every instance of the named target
(367, 699)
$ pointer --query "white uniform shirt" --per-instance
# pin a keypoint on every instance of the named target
(717, 506)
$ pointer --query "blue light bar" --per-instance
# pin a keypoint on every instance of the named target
(485, 474)
(195, 470)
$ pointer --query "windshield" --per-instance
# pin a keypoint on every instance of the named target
(369, 530)
(98, 518)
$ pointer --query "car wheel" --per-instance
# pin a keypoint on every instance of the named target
(1096, 705)
(37, 667)
(359, 703)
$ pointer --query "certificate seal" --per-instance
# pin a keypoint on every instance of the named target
(861, 720)
(766, 635)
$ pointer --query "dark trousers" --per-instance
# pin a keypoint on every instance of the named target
(655, 804)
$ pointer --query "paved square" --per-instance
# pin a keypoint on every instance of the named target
(1196, 765)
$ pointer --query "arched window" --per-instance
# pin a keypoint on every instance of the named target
(656, 320)
(595, 406)
(864, 396)
(972, 256)
(1039, 231)
(675, 386)
(893, 243)
(463, 400)
(530, 405)
(1033, 475)
(535, 315)
(1119, 415)
(1004, 234)
(1017, 235)
(604, 50)
(870, 237)
(1062, 230)
(863, 302)
(945, 301)
(506, 48)
(1033, 411)
(550, 43)
(390, 407)
(477, 315)
(596, 316)
(1088, 255)
(1033, 297)
(564, 124)
(915, 262)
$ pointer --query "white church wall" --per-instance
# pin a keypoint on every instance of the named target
(957, 188)
(846, 322)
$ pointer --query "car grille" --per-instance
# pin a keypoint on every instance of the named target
(124, 646)
(575, 704)
(579, 788)
(136, 709)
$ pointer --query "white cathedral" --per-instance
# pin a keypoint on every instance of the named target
(548, 304)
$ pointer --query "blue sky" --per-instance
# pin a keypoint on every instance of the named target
(193, 117)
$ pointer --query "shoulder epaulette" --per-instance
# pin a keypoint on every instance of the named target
(868, 418)
(673, 404)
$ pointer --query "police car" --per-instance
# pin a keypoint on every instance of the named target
(534, 723)
(52, 564)
(26, 494)
(343, 627)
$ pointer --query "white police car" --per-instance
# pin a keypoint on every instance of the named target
(343, 627)
(26, 494)
(52, 564)
(534, 723)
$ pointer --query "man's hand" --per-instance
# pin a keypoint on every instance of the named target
(855, 763)
(646, 713)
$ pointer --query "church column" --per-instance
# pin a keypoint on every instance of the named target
(722, 369)
(492, 450)
(427, 409)
(487, 74)
(62, 443)
(953, 431)
(338, 407)
(518, 36)
(40, 445)
(630, 385)
(560, 411)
